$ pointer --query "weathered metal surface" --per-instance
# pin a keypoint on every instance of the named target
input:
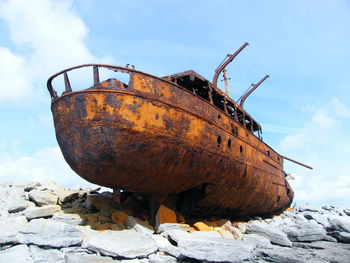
(165, 138)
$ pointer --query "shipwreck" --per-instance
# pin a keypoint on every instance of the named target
(176, 139)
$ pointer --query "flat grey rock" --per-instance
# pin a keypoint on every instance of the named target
(38, 212)
(258, 241)
(305, 231)
(41, 198)
(139, 226)
(321, 219)
(12, 199)
(205, 234)
(16, 254)
(212, 249)
(72, 219)
(10, 228)
(340, 223)
(78, 258)
(165, 227)
(51, 233)
(290, 255)
(275, 235)
(40, 255)
(165, 246)
(303, 208)
(126, 243)
(65, 196)
(161, 259)
(343, 237)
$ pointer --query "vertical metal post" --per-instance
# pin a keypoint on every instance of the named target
(67, 83)
(96, 75)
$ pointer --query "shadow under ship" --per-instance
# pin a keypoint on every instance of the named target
(172, 138)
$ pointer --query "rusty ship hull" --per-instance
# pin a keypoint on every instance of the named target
(157, 137)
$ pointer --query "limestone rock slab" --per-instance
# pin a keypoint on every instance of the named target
(51, 233)
(45, 211)
(126, 243)
(275, 235)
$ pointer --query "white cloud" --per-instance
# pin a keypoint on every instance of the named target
(321, 143)
(48, 35)
(13, 76)
(44, 165)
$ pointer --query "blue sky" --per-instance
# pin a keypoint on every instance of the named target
(303, 45)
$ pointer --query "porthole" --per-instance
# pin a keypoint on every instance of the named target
(219, 140)
(229, 143)
(241, 148)
(219, 116)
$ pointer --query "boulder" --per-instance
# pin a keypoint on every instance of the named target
(41, 198)
(126, 243)
(16, 254)
(275, 235)
(50, 233)
(45, 211)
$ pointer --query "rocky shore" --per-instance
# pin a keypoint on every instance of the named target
(48, 223)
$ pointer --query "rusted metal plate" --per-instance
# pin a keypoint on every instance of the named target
(161, 140)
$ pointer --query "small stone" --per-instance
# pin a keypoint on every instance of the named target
(200, 226)
(165, 215)
(236, 233)
(42, 198)
(242, 227)
(101, 203)
(16, 254)
(119, 217)
(225, 233)
(65, 196)
(347, 211)
(51, 233)
(45, 211)
(140, 226)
